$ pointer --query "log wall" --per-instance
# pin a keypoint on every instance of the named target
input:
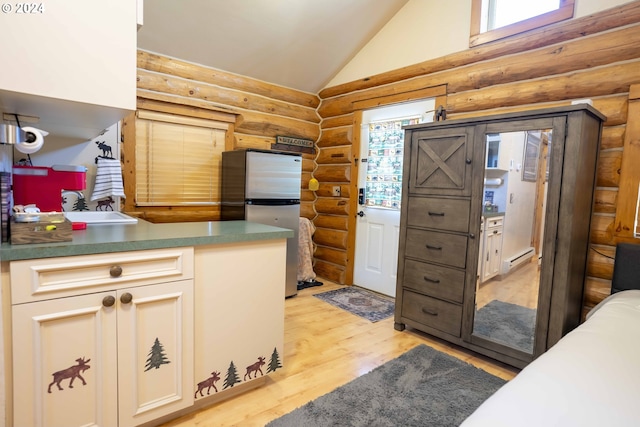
(596, 57)
(257, 111)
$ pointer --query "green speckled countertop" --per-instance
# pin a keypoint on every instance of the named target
(98, 239)
(492, 214)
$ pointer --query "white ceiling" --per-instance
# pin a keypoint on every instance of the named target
(300, 44)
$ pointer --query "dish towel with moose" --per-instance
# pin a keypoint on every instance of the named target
(108, 179)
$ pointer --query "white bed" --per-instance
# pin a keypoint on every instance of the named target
(591, 377)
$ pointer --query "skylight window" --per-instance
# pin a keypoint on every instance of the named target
(495, 19)
(501, 13)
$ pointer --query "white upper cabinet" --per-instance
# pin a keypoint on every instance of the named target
(71, 63)
(496, 158)
(140, 17)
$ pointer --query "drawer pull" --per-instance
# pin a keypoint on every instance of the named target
(115, 271)
(437, 248)
(429, 312)
(126, 298)
(108, 301)
(428, 279)
(436, 213)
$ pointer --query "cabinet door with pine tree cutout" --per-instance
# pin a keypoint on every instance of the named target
(155, 351)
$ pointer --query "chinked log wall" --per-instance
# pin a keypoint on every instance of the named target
(596, 57)
(259, 112)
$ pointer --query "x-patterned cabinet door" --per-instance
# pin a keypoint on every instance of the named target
(441, 162)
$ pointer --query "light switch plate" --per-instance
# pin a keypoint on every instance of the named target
(336, 191)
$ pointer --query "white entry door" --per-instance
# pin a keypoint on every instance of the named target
(376, 259)
(380, 185)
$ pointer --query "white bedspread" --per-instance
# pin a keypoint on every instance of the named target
(591, 377)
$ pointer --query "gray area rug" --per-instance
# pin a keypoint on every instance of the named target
(361, 302)
(423, 387)
(507, 323)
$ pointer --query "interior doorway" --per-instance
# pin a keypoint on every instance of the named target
(380, 191)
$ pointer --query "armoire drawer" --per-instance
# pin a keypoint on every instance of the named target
(440, 213)
(441, 315)
(438, 281)
(433, 246)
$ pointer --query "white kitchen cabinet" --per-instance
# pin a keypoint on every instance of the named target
(73, 334)
(105, 339)
(492, 247)
(496, 158)
(213, 308)
(239, 317)
(139, 13)
(481, 249)
(155, 352)
(73, 64)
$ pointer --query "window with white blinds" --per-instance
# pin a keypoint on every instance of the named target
(178, 160)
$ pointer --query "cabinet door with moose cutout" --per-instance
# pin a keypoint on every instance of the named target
(118, 358)
(64, 362)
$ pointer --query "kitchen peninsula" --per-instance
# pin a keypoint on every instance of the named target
(134, 324)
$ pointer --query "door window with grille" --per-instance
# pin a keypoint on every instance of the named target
(384, 163)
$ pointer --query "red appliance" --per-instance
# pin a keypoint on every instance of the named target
(43, 186)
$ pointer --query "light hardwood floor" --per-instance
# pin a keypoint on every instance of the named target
(518, 287)
(325, 347)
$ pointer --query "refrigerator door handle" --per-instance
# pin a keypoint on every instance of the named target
(272, 202)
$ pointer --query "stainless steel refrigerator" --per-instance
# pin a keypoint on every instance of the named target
(264, 186)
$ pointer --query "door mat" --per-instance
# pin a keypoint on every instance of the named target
(304, 284)
(358, 301)
(423, 387)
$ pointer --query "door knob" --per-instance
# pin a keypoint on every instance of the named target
(126, 298)
(108, 301)
(360, 214)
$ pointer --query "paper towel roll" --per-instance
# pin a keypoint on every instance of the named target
(493, 181)
(35, 140)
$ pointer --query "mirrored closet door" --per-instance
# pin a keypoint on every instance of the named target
(516, 177)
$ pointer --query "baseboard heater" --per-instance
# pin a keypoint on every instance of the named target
(520, 258)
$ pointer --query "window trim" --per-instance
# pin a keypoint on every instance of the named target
(181, 120)
(564, 12)
(628, 190)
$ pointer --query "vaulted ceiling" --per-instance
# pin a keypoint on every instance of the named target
(300, 44)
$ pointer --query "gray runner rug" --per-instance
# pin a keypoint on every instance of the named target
(423, 387)
(510, 324)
